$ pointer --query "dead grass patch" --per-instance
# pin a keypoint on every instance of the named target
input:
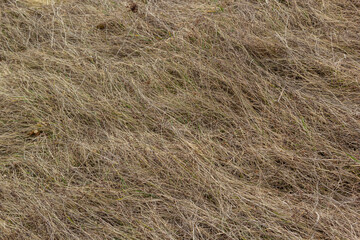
(179, 120)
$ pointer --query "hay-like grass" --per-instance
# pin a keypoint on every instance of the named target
(180, 119)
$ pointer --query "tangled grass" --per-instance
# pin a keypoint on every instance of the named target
(228, 119)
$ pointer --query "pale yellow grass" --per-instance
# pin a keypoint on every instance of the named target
(39, 2)
(180, 119)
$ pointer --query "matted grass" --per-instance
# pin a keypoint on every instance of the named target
(180, 119)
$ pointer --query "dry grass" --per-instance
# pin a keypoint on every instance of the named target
(181, 120)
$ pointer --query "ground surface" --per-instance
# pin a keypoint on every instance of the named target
(172, 119)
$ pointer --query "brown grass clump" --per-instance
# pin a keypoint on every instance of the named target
(180, 120)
